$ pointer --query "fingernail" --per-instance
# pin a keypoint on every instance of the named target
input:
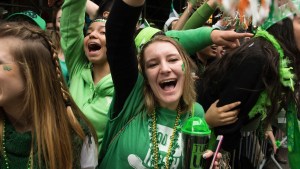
(204, 156)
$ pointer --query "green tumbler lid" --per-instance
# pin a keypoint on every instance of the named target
(196, 126)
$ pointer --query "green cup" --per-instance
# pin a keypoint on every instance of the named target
(195, 135)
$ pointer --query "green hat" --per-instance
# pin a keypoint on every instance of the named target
(31, 15)
(144, 36)
(279, 12)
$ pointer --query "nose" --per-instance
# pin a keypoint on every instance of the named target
(93, 34)
(165, 68)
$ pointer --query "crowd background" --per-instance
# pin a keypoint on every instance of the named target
(178, 20)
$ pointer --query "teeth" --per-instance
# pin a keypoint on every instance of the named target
(167, 81)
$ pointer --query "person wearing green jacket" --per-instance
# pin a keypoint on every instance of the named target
(90, 79)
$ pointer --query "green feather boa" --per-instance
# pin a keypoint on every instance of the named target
(285, 74)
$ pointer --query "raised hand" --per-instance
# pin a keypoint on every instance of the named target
(228, 38)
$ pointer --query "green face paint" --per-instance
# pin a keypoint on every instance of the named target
(7, 68)
(183, 67)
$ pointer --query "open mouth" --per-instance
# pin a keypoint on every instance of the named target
(168, 84)
(94, 47)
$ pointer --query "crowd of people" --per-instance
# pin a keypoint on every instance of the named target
(98, 87)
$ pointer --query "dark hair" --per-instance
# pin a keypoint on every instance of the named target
(284, 33)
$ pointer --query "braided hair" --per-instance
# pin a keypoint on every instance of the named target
(55, 119)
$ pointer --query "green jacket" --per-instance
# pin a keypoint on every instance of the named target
(93, 100)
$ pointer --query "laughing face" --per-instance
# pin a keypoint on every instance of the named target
(164, 71)
(95, 43)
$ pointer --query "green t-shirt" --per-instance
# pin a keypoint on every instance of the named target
(131, 147)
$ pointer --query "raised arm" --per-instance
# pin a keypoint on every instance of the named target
(134, 3)
(91, 9)
(121, 52)
(201, 15)
(184, 17)
(71, 29)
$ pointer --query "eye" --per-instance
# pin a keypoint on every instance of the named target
(102, 33)
(173, 59)
(151, 64)
(88, 33)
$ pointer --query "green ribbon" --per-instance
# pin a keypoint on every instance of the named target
(291, 125)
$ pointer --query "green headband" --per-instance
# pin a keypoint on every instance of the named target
(31, 15)
(144, 36)
(99, 20)
(279, 13)
(285, 73)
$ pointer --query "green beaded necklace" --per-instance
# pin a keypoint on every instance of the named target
(4, 151)
(172, 146)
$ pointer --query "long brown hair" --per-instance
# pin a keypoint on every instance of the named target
(55, 118)
(189, 93)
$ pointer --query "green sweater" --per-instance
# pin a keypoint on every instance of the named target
(93, 100)
(18, 147)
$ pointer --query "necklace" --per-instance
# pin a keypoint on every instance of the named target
(171, 148)
(4, 151)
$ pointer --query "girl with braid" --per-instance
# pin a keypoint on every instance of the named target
(40, 124)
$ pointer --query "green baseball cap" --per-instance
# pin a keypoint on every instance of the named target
(31, 15)
(144, 36)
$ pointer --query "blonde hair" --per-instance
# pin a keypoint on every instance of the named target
(54, 115)
(189, 93)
